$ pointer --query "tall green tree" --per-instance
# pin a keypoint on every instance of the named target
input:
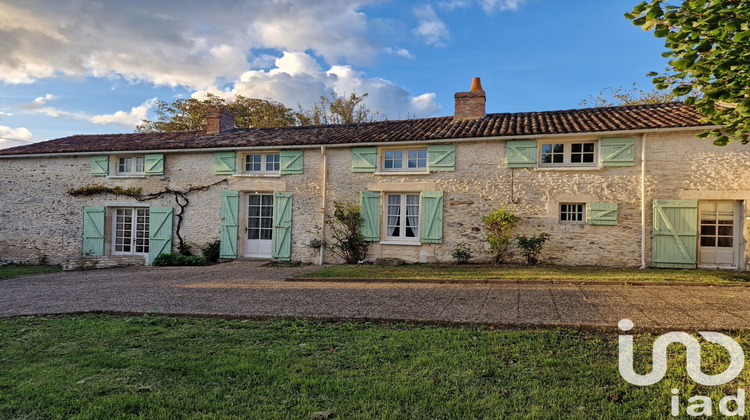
(336, 109)
(708, 42)
(190, 114)
(632, 96)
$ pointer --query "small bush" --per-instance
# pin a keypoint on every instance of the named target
(500, 224)
(531, 246)
(347, 241)
(462, 254)
(212, 251)
(177, 259)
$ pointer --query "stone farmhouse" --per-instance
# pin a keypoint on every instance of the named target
(627, 186)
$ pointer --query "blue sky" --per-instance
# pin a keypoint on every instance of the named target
(71, 67)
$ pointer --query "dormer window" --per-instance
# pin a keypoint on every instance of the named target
(133, 165)
(398, 160)
(568, 154)
(262, 163)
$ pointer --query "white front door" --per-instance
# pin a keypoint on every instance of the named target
(719, 234)
(130, 231)
(259, 227)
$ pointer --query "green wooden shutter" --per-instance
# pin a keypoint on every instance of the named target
(675, 234)
(159, 232)
(370, 211)
(225, 163)
(154, 164)
(432, 217)
(520, 153)
(364, 159)
(617, 152)
(99, 165)
(290, 162)
(282, 226)
(230, 222)
(442, 157)
(93, 231)
(601, 213)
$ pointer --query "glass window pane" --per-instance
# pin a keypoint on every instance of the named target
(708, 241)
(725, 242)
(726, 230)
(708, 230)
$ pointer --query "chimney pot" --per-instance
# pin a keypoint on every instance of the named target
(219, 120)
(470, 105)
(476, 84)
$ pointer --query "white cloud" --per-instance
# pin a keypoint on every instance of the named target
(5, 114)
(8, 136)
(490, 6)
(297, 78)
(401, 52)
(193, 43)
(125, 118)
(433, 30)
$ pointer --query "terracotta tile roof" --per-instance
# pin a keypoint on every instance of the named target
(590, 120)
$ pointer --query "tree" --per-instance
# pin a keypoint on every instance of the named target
(190, 114)
(337, 110)
(709, 43)
(632, 96)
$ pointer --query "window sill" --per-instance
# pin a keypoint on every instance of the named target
(127, 176)
(402, 173)
(568, 168)
(395, 242)
(258, 175)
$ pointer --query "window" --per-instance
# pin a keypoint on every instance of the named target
(131, 231)
(266, 162)
(568, 154)
(572, 212)
(404, 159)
(402, 217)
(130, 165)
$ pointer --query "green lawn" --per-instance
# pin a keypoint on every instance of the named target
(525, 272)
(98, 366)
(14, 270)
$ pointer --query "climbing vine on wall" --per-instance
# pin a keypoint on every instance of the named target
(180, 197)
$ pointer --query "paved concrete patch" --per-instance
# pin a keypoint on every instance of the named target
(246, 289)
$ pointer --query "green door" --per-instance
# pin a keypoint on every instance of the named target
(675, 234)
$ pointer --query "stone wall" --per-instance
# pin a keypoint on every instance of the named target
(39, 220)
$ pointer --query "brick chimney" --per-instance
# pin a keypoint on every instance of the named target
(218, 120)
(470, 105)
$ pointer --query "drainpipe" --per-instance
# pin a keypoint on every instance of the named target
(324, 187)
(643, 201)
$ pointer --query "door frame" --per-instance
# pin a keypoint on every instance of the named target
(738, 236)
(242, 231)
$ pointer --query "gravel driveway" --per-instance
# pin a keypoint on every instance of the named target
(245, 289)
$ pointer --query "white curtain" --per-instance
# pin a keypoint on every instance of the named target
(394, 215)
(412, 216)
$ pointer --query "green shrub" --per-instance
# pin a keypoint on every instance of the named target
(212, 251)
(500, 224)
(177, 259)
(531, 246)
(347, 241)
(462, 254)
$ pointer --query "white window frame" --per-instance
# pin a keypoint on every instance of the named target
(264, 162)
(567, 153)
(570, 212)
(402, 239)
(135, 165)
(404, 159)
(133, 231)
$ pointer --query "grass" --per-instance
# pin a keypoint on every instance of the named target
(15, 270)
(525, 272)
(98, 366)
